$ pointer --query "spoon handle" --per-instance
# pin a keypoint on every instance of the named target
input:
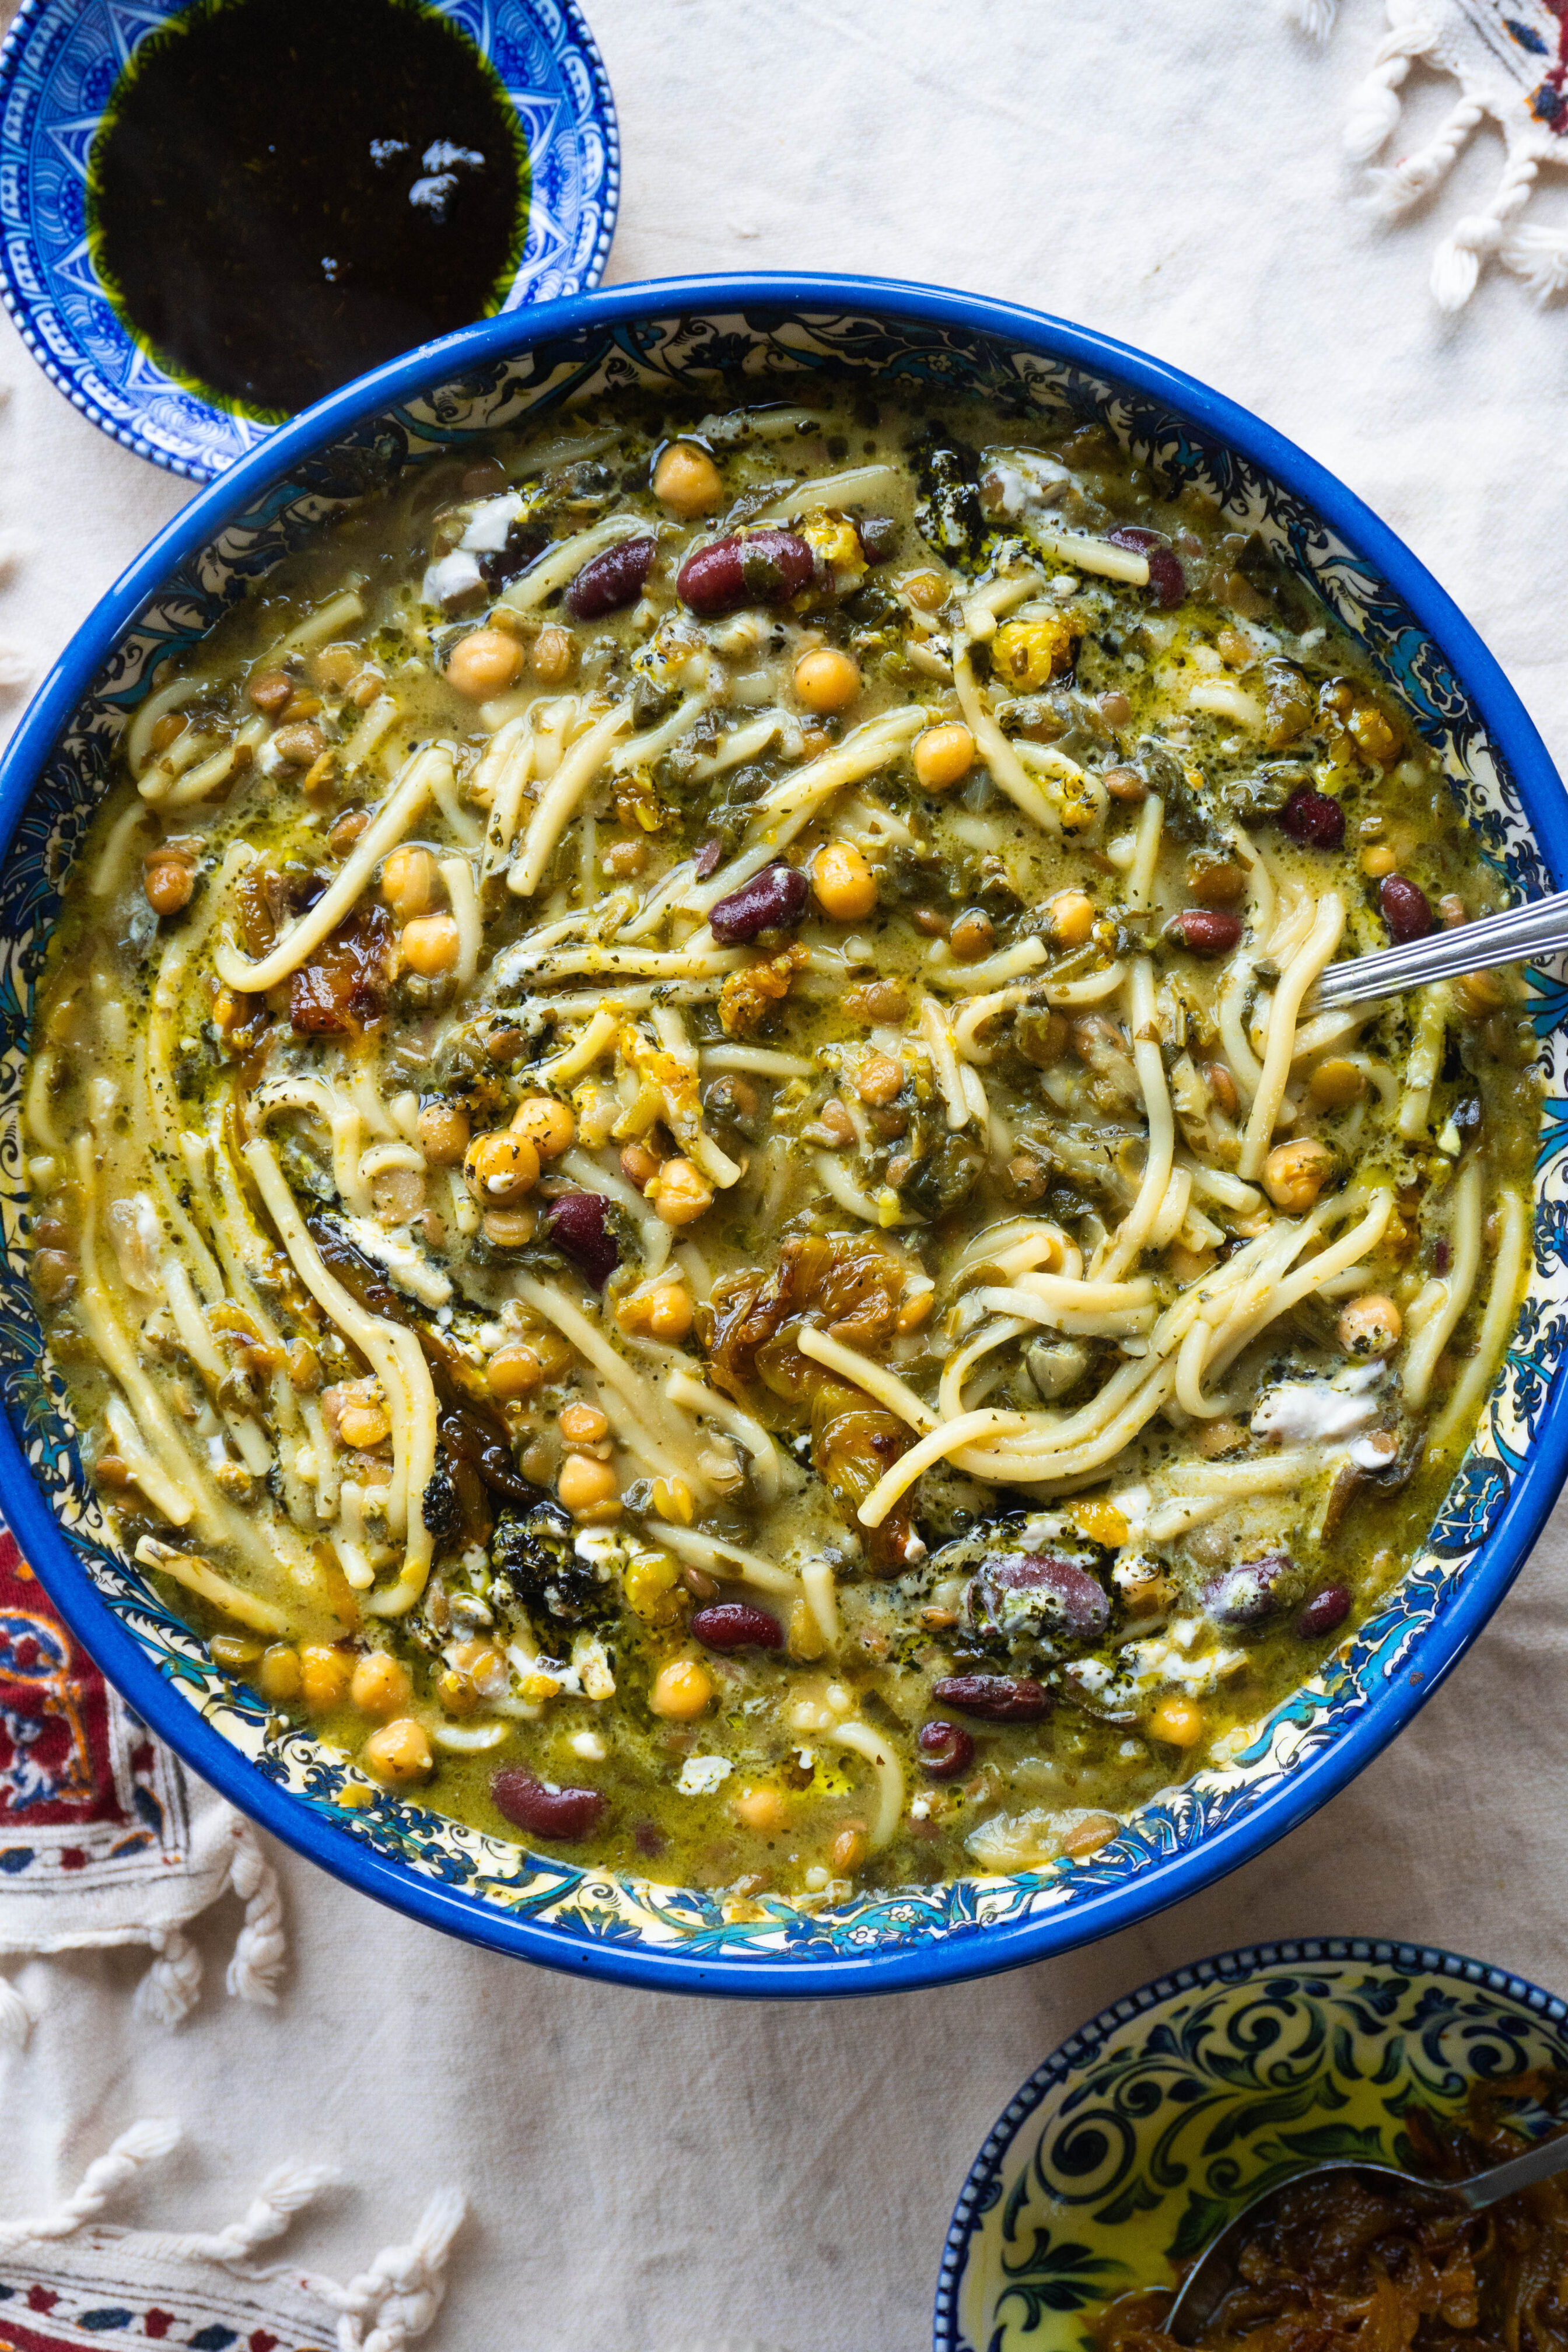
(1539, 927)
(1538, 2163)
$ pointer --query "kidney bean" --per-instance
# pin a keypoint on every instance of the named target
(579, 1227)
(1052, 1592)
(995, 1698)
(563, 1814)
(736, 1625)
(1406, 909)
(1328, 1608)
(878, 537)
(1203, 930)
(762, 567)
(946, 1749)
(773, 901)
(1167, 581)
(612, 579)
(1248, 1594)
(708, 856)
(1313, 819)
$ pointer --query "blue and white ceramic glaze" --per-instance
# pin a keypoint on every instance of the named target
(909, 343)
(60, 61)
(1142, 2136)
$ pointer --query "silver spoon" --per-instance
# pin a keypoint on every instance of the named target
(1212, 2276)
(1537, 929)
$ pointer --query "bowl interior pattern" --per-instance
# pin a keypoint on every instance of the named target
(1151, 2128)
(58, 67)
(502, 1891)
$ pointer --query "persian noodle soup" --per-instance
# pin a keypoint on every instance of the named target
(685, 1177)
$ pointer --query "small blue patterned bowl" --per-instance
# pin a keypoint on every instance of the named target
(913, 343)
(1152, 2127)
(58, 65)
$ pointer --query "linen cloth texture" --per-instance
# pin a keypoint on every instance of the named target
(105, 1838)
(1510, 58)
(646, 2173)
(80, 2280)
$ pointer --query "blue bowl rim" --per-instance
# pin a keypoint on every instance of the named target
(957, 1955)
(18, 304)
(1224, 1967)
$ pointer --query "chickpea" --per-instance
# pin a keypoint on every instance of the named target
(928, 590)
(168, 883)
(972, 936)
(362, 1426)
(583, 1424)
(681, 1192)
(588, 1488)
(408, 883)
(943, 756)
(555, 652)
(500, 1168)
(879, 1078)
(1371, 1325)
(431, 945)
(761, 1809)
(443, 1133)
(850, 1848)
(665, 1313)
(277, 1675)
(380, 1685)
(545, 1123)
(1377, 860)
(399, 1753)
(1072, 917)
(1179, 1722)
(680, 1690)
(827, 680)
(687, 479)
(324, 1675)
(1295, 1173)
(513, 1372)
(845, 885)
(485, 662)
(1335, 1085)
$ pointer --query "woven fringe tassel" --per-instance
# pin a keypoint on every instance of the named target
(1540, 256)
(1415, 175)
(1375, 103)
(104, 2178)
(260, 1949)
(1457, 264)
(398, 2297)
(168, 1991)
(16, 2016)
(286, 2190)
(1316, 17)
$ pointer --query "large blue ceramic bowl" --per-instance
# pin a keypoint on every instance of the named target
(912, 343)
(1153, 2125)
(59, 67)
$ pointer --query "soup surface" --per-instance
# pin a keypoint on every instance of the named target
(685, 1176)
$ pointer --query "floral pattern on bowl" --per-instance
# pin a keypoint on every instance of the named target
(555, 1911)
(1146, 2131)
(59, 65)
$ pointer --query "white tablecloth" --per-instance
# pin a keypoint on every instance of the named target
(648, 2171)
